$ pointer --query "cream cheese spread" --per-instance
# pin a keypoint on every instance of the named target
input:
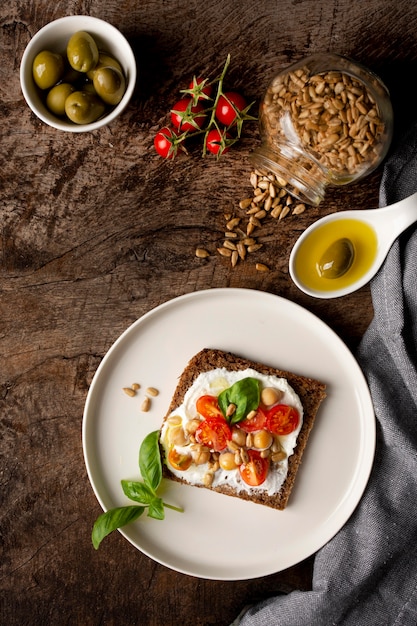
(213, 383)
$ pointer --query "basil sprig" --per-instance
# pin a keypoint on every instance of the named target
(245, 394)
(142, 492)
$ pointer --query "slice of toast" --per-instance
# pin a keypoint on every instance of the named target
(309, 391)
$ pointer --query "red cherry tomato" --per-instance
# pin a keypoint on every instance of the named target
(255, 471)
(216, 141)
(214, 433)
(258, 422)
(185, 115)
(178, 460)
(229, 106)
(164, 143)
(200, 89)
(208, 407)
(282, 419)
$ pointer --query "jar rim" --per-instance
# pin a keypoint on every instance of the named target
(301, 185)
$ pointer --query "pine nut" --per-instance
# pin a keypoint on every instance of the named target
(208, 479)
(278, 456)
(244, 455)
(146, 405)
(231, 409)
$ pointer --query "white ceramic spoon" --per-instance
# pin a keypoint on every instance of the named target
(388, 223)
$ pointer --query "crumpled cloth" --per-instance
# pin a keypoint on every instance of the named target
(367, 574)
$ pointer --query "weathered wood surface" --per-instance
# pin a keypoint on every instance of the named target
(96, 230)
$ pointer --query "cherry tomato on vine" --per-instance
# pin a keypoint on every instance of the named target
(282, 419)
(164, 142)
(216, 141)
(228, 107)
(258, 422)
(200, 89)
(208, 406)
(186, 116)
(214, 433)
(255, 471)
(179, 461)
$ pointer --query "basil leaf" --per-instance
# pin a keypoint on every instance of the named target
(113, 519)
(150, 460)
(138, 491)
(245, 394)
(156, 509)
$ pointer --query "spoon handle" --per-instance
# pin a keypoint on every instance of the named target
(401, 214)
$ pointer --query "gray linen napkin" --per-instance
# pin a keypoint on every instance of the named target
(367, 574)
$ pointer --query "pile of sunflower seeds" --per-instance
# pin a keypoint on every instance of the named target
(269, 200)
(333, 115)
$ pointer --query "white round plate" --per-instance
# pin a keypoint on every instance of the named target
(221, 537)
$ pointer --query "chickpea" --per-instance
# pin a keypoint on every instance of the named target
(176, 436)
(239, 436)
(270, 396)
(262, 439)
(227, 461)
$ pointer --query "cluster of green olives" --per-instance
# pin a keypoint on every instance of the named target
(93, 81)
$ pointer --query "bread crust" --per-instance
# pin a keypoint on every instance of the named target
(310, 391)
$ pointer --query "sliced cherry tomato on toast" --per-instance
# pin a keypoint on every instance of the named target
(258, 422)
(214, 433)
(208, 406)
(282, 419)
(255, 471)
(178, 460)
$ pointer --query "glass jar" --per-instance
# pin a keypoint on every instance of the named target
(326, 120)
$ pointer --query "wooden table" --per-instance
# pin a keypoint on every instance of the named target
(96, 230)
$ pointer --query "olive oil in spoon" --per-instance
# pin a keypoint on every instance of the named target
(341, 252)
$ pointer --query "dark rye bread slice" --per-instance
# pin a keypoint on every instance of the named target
(310, 391)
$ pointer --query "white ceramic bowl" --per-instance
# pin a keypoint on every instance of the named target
(54, 36)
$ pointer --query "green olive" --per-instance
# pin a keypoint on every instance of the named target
(55, 100)
(73, 77)
(89, 88)
(47, 69)
(337, 259)
(82, 52)
(104, 60)
(84, 108)
(110, 84)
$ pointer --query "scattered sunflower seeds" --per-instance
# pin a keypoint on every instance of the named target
(269, 200)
